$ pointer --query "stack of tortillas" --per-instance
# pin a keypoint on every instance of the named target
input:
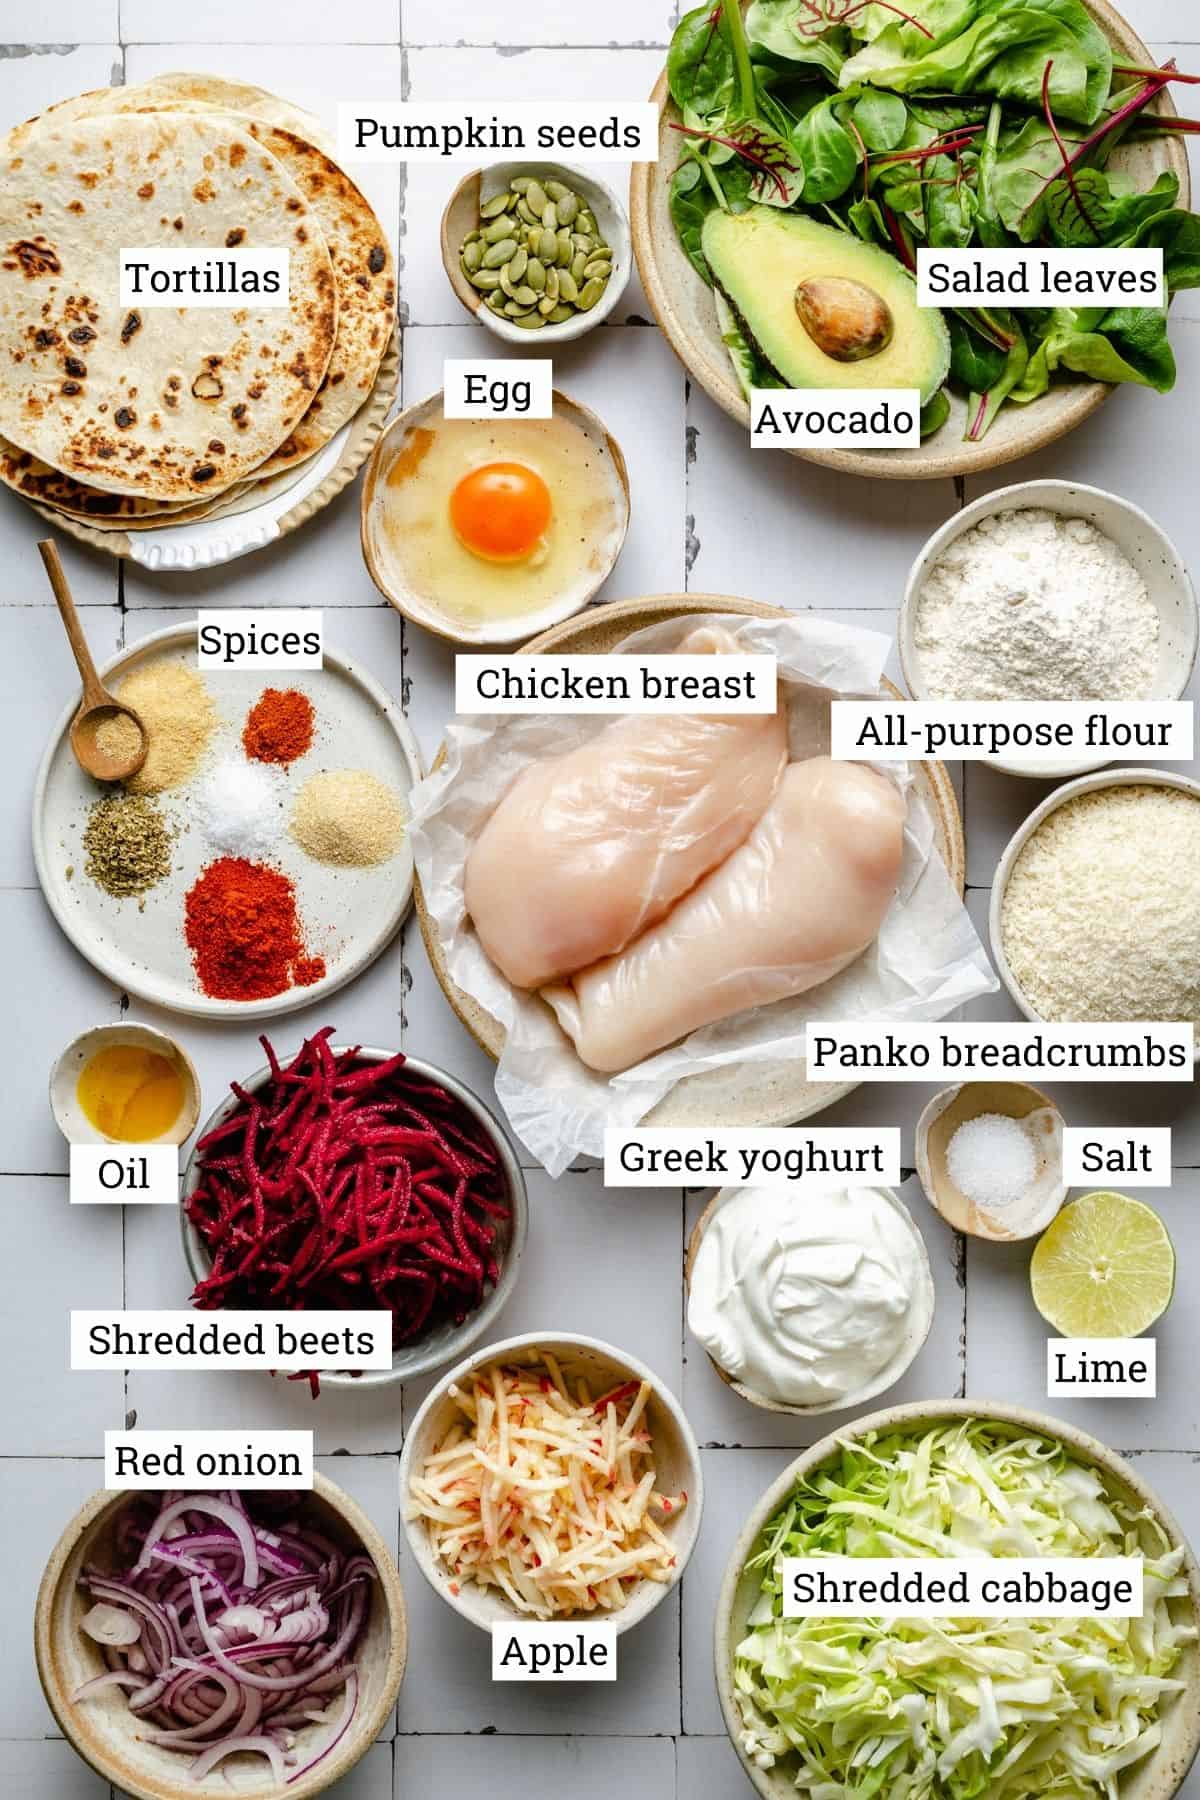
(135, 418)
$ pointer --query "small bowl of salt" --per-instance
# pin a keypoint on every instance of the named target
(1050, 591)
(989, 1155)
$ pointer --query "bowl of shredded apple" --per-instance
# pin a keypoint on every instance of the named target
(1035, 1703)
(487, 530)
(551, 1477)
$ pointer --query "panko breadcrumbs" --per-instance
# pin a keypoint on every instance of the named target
(1101, 915)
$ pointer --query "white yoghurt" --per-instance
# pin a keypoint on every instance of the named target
(812, 1296)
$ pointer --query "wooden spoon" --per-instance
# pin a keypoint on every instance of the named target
(98, 707)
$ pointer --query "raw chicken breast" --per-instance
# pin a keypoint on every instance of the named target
(587, 849)
(804, 896)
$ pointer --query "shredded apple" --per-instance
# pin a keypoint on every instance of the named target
(547, 1495)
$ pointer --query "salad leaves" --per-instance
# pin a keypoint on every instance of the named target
(947, 123)
(914, 1708)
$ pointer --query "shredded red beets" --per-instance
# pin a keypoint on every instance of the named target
(346, 1185)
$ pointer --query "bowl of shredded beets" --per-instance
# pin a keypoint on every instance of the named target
(195, 1644)
(350, 1178)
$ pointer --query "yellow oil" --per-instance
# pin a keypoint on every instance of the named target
(130, 1094)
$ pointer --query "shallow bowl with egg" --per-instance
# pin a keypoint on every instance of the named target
(1143, 543)
(486, 531)
(603, 1368)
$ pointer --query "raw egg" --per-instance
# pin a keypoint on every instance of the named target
(490, 528)
(501, 511)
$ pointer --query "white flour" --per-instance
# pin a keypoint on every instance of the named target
(1029, 605)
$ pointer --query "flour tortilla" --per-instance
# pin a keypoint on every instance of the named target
(189, 93)
(168, 403)
(36, 480)
(363, 268)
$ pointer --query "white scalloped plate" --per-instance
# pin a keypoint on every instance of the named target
(348, 916)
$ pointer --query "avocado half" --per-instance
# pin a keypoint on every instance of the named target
(860, 303)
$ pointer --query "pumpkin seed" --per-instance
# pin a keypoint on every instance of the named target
(546, 306)
(526, 212)
(472, 237)
(533, 239)
(587, 221)
(566, 206)
(498, 254)
(563, 255)
(532, 321)
(497, 230)
(537, 197)
(497, 204)
(535, 275)
(578, 266)
(526, 296)
(557, 190)
(568, 288)
(506, 282)
(472, 256)
(599, 265)
(590, 293)
(548, 246)
(485, 279)
(513, 309)
(583, 240)
(520, 183)
(560, 315)
(552, 286)
(519, 264)
(496, 301)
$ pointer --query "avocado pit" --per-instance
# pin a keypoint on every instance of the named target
(845, 319)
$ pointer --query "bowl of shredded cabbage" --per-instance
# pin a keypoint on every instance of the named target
(950, 1708)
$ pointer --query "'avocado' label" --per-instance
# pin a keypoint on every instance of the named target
(835, 418)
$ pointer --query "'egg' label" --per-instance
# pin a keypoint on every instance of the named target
(509, 389)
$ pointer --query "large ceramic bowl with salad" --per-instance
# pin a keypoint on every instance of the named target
(808, 148)
(1077, 1709)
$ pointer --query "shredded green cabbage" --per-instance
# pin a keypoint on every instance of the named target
(958, 1707)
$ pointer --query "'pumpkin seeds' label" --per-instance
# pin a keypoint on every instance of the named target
(414, 131)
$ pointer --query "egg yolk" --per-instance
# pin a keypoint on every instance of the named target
(501, 511)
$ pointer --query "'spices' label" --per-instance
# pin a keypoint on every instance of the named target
(973, 1587)
(168, 1340)
(662, 1156)
(1140, 1158)
(1040, 277)
(539, 1652)
(614, 684)
(1036, 731)
(835, 418)
(208, 1459)
(1102, 1368)
(124, 1174)
(1113, 1051)
(281, 637)
(522, 388)
(421, 131)
(202, 277)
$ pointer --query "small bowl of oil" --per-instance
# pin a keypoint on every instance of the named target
(125, 1084)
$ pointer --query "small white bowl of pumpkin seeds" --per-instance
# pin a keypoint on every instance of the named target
(538, 251)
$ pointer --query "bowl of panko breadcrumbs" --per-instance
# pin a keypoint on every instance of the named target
(1095, 910)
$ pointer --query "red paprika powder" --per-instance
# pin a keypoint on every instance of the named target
(241, 928)
(279, 727)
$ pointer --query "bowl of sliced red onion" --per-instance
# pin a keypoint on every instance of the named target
(195, 1644)
(353, 1177)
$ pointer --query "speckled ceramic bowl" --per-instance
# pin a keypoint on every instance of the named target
(1157, 1777)
(70, 1117)
(106, 1734)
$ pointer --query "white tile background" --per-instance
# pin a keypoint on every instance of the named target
(706, 516)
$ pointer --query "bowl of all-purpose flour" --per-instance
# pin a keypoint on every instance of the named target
(1048, 590)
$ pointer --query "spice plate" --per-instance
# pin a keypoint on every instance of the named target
(347, 916)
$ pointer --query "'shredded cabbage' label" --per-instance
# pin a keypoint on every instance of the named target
(978, 1587)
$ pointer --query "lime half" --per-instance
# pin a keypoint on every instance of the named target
(1104, 1269)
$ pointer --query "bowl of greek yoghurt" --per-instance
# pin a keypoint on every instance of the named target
(809, 1299)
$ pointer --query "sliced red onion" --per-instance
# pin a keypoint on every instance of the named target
(216, 1661)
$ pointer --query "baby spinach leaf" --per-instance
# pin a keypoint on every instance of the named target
(950, 205)
(935, 412)
(982, 407)
(773, 25)
(690, 200)
(700, 65)
(880, 118)
(827, 152)
(974, 362)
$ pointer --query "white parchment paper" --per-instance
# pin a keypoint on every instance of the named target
(926, 961)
